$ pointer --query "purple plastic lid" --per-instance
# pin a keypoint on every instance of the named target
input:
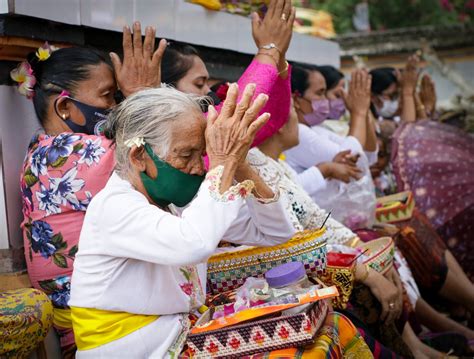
(285, 274)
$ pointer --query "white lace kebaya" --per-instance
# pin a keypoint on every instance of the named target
(304, 212)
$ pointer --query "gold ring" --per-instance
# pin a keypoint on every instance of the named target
(283, 17)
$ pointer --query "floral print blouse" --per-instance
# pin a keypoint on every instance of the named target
(60, 176)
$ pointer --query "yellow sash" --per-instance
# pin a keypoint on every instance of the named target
(95, 327)
(62, 318)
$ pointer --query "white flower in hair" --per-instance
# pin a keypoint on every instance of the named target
(137, 141)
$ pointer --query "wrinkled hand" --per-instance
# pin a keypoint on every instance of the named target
(345, 157)
(357, 98)
(428, 94)
(141, 67)
(409, 77)
(273, 29)
(385, 292)
(230, 133)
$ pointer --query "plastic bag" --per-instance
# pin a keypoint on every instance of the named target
(254, 290)
(353, 203)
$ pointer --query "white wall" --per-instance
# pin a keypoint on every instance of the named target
(17, 124)
(175, 20)
(445, 89)
(3, 6)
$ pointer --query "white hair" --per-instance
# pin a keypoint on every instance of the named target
(149, 115)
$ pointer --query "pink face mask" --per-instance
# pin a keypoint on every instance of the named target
(319, 114)
(337, 109)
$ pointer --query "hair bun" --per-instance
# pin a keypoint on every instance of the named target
(37, 58)
(35, 65)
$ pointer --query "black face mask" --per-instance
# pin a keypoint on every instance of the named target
(95, 118)
(215, 101)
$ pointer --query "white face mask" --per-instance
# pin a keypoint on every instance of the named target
(389, 108)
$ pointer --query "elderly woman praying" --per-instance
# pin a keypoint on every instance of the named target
(140, 269)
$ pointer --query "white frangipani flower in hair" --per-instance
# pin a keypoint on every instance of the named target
(137, 141)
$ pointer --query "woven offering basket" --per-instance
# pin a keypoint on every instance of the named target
(256, 336)
(401, 210)
(228, 271)
(380, 252)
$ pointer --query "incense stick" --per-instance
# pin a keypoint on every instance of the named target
(356, 258)
(327, 217)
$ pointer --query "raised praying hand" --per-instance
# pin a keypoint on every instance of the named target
(141, 65)
(357, 98)
(230, 133)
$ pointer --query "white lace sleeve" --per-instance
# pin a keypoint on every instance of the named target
(240, 190)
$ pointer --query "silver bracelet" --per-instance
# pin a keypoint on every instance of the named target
(270, 46)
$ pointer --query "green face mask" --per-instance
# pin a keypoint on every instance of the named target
(171, 185)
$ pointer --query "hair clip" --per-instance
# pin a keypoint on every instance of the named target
(137, 141)
(23, 75)
(64, 93)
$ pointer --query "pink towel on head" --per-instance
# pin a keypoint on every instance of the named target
(267, 81)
